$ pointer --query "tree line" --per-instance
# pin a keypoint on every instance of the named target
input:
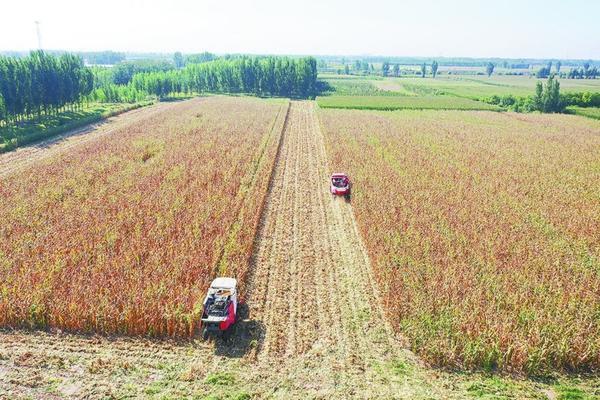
(263, 76)
(360, 67)
(181, 61)
(547, 99)
(123, 72)
(584, 72)
(42, 83)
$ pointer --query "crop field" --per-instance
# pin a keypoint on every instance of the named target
(482, 229)
(477, 87)
(590, 112)
(393, 86)
(468, 86)
(402, 103)
(122, 234)
(366, 87)
(350, 87)
(349, 201)
(443, 92)
(119, 231)
(21, 157)
(567, 85)
(35, 129)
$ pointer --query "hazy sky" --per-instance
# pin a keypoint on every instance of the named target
(505, 28)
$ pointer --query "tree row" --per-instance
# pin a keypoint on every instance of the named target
(263, 76)
(41, 83)
(45, 83)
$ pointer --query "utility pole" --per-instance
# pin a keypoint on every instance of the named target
(39, 34)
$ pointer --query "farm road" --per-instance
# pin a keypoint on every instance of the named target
(312, 288)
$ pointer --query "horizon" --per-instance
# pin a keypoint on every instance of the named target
(464, 29)
(334, 56)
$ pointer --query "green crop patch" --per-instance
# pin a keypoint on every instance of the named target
(590, 112)
(390, 103)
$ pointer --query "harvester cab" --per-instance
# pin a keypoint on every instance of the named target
(219, 308)
(340, 184)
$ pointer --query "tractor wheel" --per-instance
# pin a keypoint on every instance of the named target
(205, 333)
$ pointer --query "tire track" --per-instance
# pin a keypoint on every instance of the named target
(286, 248)
(310, 285)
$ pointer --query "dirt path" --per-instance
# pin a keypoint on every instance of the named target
(312, 288)
(15, 160)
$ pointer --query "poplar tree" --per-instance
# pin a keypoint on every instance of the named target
(434, 68)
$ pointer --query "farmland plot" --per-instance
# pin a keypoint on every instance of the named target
(25, 155)
(312, 325)
(478, 87)
(315, 328)
(123, 234)
(390, 103)
(483, 231)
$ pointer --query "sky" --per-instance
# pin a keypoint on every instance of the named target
(429, 28)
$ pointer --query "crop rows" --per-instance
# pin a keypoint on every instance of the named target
(123, 234)
(483, 231)
(479, 87)
(403, 103)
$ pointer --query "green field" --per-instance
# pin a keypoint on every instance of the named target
(326, 76)
(471, 86)
(355, 87)
(389, 103)
(449, 92)
(478, 87)
(590, 112)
